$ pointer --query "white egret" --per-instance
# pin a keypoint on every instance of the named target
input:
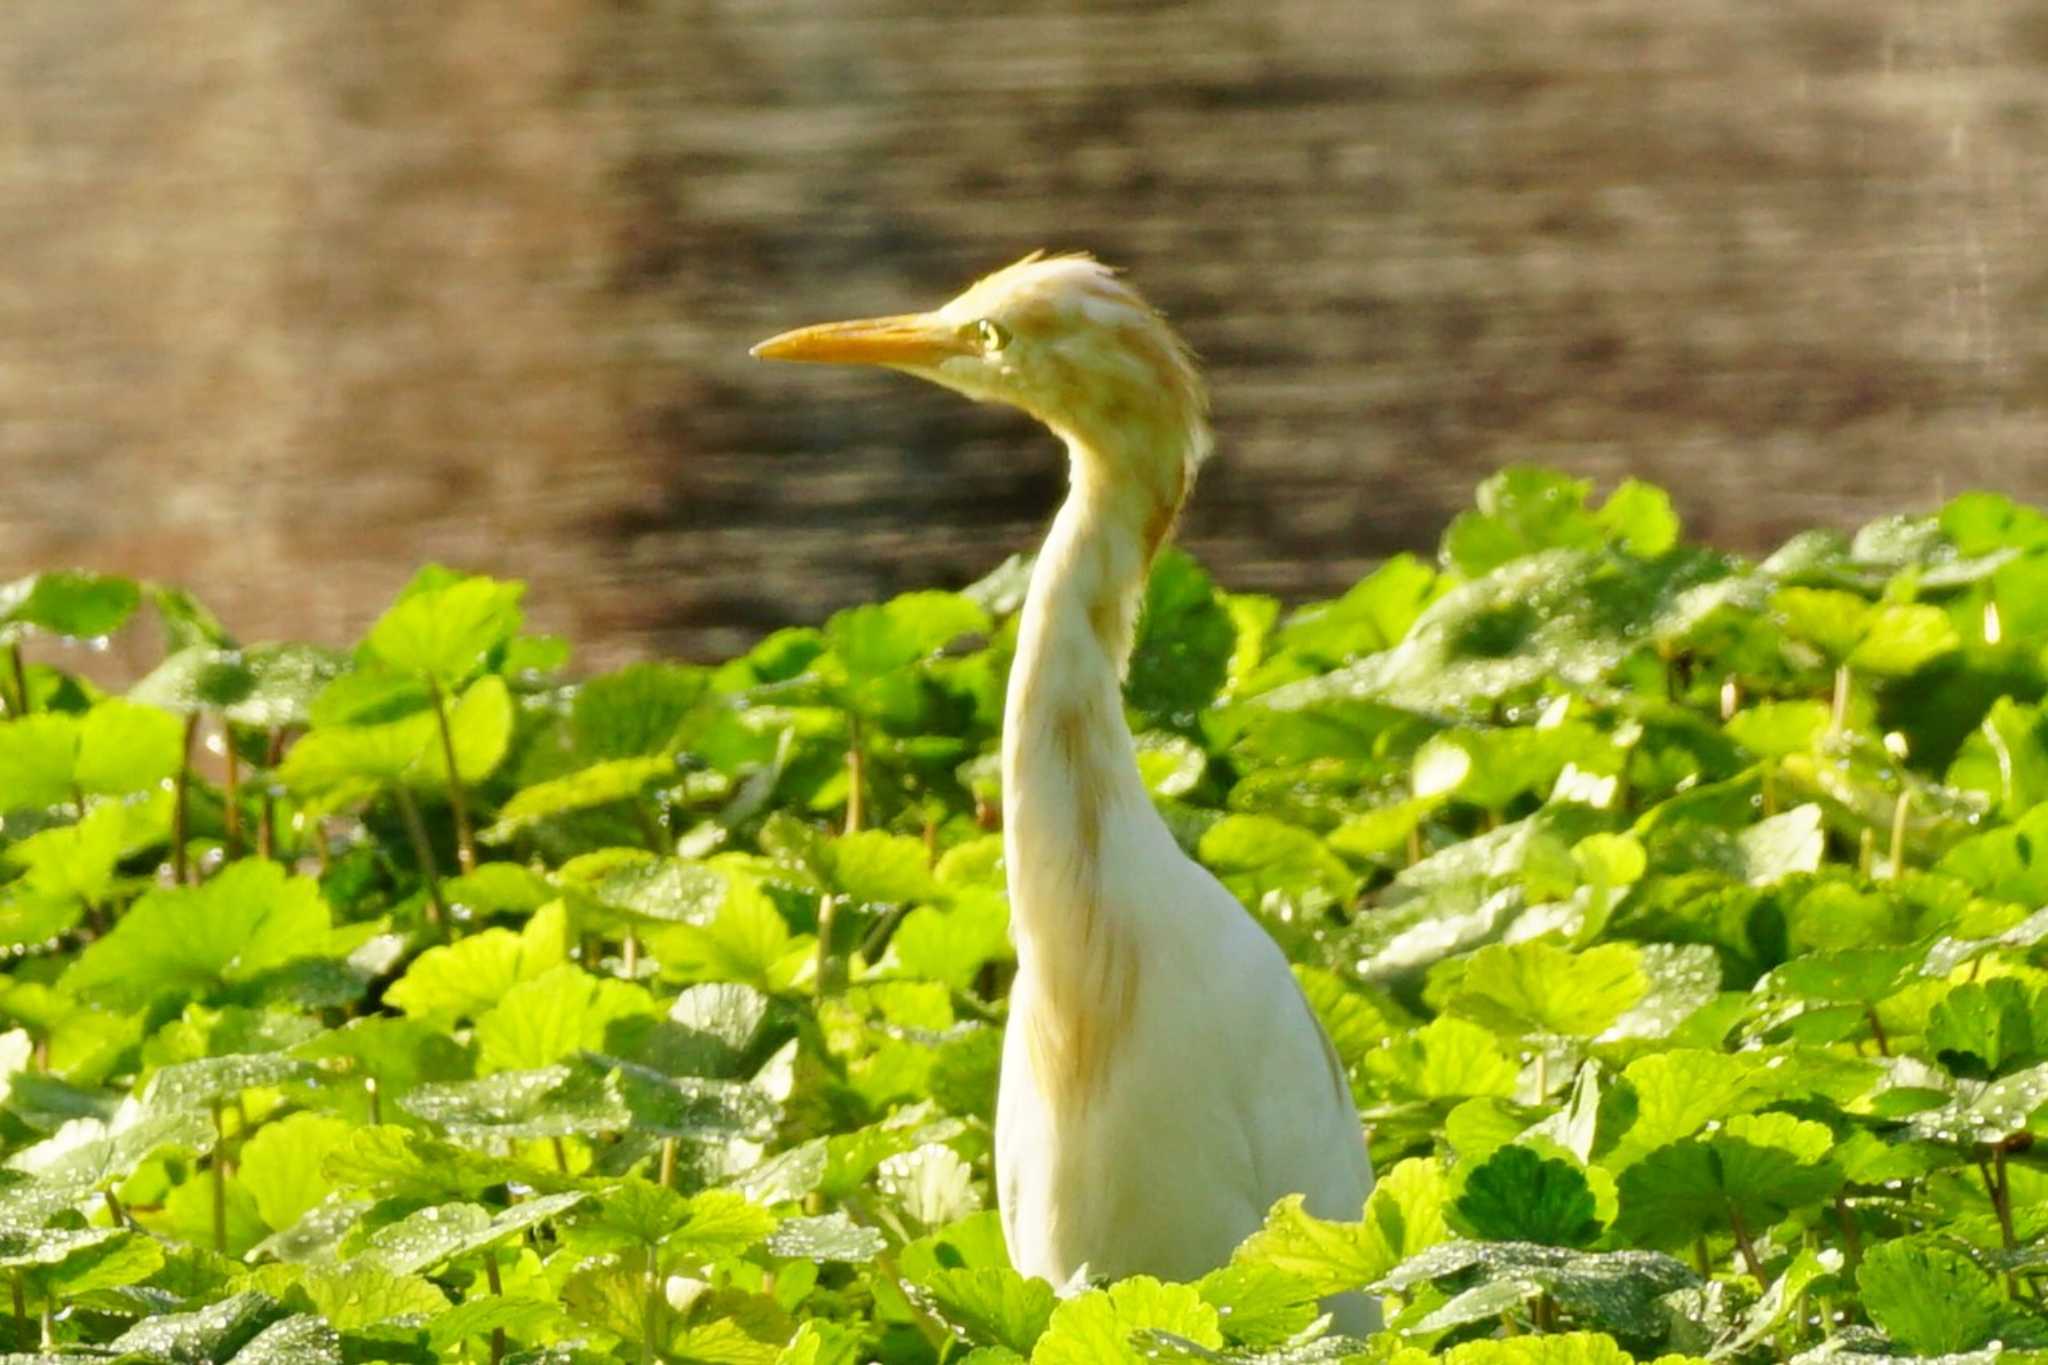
(1164, 1080)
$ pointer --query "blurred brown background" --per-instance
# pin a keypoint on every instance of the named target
(298, 295)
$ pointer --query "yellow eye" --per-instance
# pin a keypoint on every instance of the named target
(993, 335)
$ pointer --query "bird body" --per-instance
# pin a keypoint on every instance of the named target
(1164, 1080)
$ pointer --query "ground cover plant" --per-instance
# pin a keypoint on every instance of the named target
(1678, 919)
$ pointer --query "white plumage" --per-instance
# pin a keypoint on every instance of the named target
(1163, 1081)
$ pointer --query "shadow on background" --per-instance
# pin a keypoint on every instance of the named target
(302, 295)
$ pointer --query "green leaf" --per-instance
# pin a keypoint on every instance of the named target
(1779, 845)
(1374, 615)
(1773, 729)
(445, 632)
(1760, 1166)
(1640, 517)
(635, 712)
(1996, 1023)
(548, 1101)
(38, 756)
(465, 979)
(302, 1339)
(281, 1165)
(268, 686)
(987, 1305)
(1169, 764)
(1929, 1298)
(125, 748)
(873, 865)
(542, 1020)
(86, 1153)
(1096, 1328)
(1534, 986)
(1268, 863)
(217, 1331)
(194, 940)
(1518, 1195)
(953, 944)
(401, 1163)
(80, 606)
(362, 1294)
(2006, 758)
(875, 640)
(828, 1237)
(1448, 1058)
(1185, 639)
(1903, 637)
(1564, 1348)
(600, 784)
(1520, 510)
(439, 1233)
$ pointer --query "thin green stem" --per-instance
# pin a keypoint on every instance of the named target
(561, 1155)
(266, 819)
(376, 1101)
(220, 1182)
(1838, 713)
(856, 766)
(1899, 832)
(20, 671)
(650, 827)
(465, 842)
(828, 917)
(232, 791)
(1852, 1240)
(181, 802)
(1884, 1043)
(423, 850)
(1743, 1245)
(497, 1291)
(116, 1210)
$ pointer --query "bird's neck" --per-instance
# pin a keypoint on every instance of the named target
(1070, 775)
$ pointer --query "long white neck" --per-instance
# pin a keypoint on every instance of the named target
(1070, 775)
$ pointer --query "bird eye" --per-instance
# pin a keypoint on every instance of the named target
(993, 335)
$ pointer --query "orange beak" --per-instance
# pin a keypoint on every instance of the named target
(909, 339)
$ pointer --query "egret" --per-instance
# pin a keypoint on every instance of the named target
(1163, 1080)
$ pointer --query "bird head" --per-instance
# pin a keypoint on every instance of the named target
(1061, 337)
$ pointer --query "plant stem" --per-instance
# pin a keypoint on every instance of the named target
(561, 1155)
(1884, 1043)
(1838, 713)
(1700, 1257)
(20, 680)
(266, 821)
(668, 1162)
(232, 795)
(1742, 1244)
(416, 829)
(855, 765)
(220, 1183)
(115, 1210)
(1899, 833)
(20, 1306)
(497, 1291)
(465, 842)
(1852, 1240)
(376, 1101)
(629, 955)
(828, 915)
(650, 828)
(181, 803)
